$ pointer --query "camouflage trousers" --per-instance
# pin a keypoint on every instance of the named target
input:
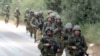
(27, 26)
(38, 34)
(76, 53)
(33, 30)
(59, 42)
(6, 18)
(16, 21)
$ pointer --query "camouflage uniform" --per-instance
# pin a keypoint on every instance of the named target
(58, 28)
(77, 44)
(27, 19)
(17, 16)
(66, 36)
(29, 16)
(36, 24)
(42, 19)
(52, 15)
(47, 24)
(51, 49)
(6, 13)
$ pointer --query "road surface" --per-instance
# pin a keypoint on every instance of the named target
(16, 42)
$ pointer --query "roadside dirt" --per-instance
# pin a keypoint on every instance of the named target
(94, 50)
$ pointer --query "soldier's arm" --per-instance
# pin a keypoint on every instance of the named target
(43, 29)
(40, 46)
(85, 44)
(70, 40)
(31, 23)
(55, 29)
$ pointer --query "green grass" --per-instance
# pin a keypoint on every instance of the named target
(92, 32)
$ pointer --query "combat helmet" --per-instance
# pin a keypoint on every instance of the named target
(76, 27)
(68, 26)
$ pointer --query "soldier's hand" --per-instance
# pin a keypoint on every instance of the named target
(74, 47)
(47, 44)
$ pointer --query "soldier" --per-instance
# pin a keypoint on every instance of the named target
(41, 18)
(30, 18)
(52, 15)
(48, 23)
(17, 16)
(31, 15)
(47, 45)
(41, 15)
(36, 25)
(27, 18)
(77, 44)
(58, 28)
(66, 35)
(6, 13)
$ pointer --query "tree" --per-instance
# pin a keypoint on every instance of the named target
(81, 11)
(54, 5)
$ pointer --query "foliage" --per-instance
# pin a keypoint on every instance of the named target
(81, 11)
(54, 5)
(35, 5)
(76, 11)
